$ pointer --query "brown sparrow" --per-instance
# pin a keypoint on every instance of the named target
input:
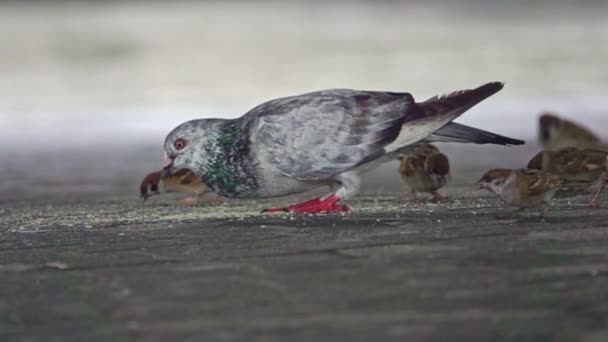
(522, 188)
(555, 133)
(181, 181)
(580, 168)
(572, 152)
(425, 169)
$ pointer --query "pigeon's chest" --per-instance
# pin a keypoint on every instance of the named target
(229, 182)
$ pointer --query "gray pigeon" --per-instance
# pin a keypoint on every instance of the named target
(324, 138)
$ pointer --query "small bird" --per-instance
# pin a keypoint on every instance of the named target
(580, 169)
(536, 163)
(521, 187)
(555, 133)
(425, 169)
(182, 180)
(325, 138)
(572, 152)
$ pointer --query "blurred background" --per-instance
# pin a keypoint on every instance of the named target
(89, 89)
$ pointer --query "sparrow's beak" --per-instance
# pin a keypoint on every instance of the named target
(167, 167)
(482, 185)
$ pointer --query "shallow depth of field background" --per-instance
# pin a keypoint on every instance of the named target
(88, 90)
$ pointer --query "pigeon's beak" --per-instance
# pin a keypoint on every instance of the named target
(167, 167)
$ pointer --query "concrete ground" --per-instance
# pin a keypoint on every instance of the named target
(86, 267)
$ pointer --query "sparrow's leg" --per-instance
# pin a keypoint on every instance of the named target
(594, 201)
(349, 182)
(437, 197)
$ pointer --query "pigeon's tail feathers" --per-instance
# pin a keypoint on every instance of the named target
(424, 118)
(457, 102)
(455, 132)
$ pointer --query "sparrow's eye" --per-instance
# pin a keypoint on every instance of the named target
(179, 144)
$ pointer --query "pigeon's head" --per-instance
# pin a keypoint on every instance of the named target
(182, 146)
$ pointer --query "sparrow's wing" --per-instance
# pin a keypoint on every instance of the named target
(571, 161)
(537, 182)
(413, 164)
(536, 163)
(322, 134)
(455, 132)
(594, 160)
(437, 163)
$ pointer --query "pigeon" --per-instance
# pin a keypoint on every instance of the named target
(522, 187)
(573, 152)
(182, 180)
(425, 169)
(324, 138)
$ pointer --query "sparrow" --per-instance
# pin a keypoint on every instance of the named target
(182, 180)
(556, 133)
(522, 188)
(572, 152)
(580, 169)
(426, 169)
(324, 138)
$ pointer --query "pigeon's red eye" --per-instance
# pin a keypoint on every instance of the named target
(179, 144)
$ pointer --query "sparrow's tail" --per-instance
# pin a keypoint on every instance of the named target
(425, 118)
(455, 132)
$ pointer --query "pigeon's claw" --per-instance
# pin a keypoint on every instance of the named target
(292, 207)
(313, 206)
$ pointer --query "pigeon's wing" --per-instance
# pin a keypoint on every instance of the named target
(426, 119)
(455, 132)
(319, 135)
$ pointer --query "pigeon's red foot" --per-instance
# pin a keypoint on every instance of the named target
(313, 206)
(292, 207)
